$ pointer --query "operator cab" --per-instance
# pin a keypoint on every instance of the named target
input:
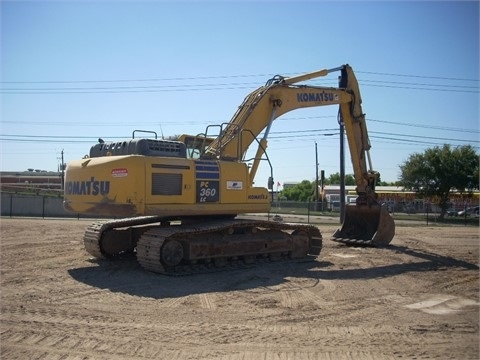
(196, 145)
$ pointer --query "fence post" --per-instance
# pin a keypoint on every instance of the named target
(308, 211)
(427, 212)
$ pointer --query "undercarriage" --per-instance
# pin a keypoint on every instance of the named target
(199, 245)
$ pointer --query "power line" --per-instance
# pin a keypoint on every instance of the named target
(203, 87)
(436, 127)
(417, 76)
(290, 134)
(424, 88)
(136, 80)
(420, 84)
(378, 139)
(66, 141)
(121, 88)
(408, 138)
(113, 91)
(104, 124)
(402, 137)
(425, 137)
(215, 86)
(222, 77)
(411, 141)
(155, 123)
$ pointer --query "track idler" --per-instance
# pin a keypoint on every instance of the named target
(366, 225)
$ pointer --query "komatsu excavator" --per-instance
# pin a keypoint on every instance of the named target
(176, 202)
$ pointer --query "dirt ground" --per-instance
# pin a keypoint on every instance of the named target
(416, 299)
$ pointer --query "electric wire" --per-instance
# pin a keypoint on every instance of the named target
(224, 77)
(153, 85)
(190, 123)
(215, 86)
(196, 88)
(293, 135)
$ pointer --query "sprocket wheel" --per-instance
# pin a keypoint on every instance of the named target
(171, 253)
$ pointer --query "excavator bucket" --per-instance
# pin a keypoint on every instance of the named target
(366, 225)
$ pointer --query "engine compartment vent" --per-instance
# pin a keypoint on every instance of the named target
(146, 147)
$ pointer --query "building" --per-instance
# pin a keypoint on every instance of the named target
(31, 181)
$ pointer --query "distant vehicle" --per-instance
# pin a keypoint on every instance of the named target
(469, 211)
(452, 212)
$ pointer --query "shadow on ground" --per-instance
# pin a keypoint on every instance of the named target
(126, 276)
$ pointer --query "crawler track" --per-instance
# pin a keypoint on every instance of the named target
(92, 238)
(206, 247)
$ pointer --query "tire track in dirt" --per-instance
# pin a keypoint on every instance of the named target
(207, 301)
(124, 339)
(300, 355)
(54, 346)
(59, 305)
(298, 293)
(173, 303)
(57, 324)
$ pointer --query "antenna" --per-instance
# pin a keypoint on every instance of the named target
(161, 131)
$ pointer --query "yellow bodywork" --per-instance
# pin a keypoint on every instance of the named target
(135, 185)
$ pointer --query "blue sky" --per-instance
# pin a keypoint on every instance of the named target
(72, 72)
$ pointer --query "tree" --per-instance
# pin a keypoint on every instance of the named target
(300, 192)
(334, 179)
(438, 171)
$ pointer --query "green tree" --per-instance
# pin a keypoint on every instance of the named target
(300, 192)
(334, 179)
(438, 171)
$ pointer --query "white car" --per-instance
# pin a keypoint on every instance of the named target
(469, 211)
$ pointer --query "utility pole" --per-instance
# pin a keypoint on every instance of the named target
(342, 164)
(62, 167)
(316, 177)
(342, 172)
(322, 179)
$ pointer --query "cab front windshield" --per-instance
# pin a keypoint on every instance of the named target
(195, 145)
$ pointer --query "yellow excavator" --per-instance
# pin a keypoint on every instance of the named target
(176, 203)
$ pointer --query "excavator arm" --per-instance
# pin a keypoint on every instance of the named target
(365, 222)
(281, 95)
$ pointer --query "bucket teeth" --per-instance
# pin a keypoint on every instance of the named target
(367, 225)
(354, 241)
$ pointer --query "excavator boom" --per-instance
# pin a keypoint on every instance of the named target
(366, 222)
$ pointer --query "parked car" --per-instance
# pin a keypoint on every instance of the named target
(452, 212)
(469, 211)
